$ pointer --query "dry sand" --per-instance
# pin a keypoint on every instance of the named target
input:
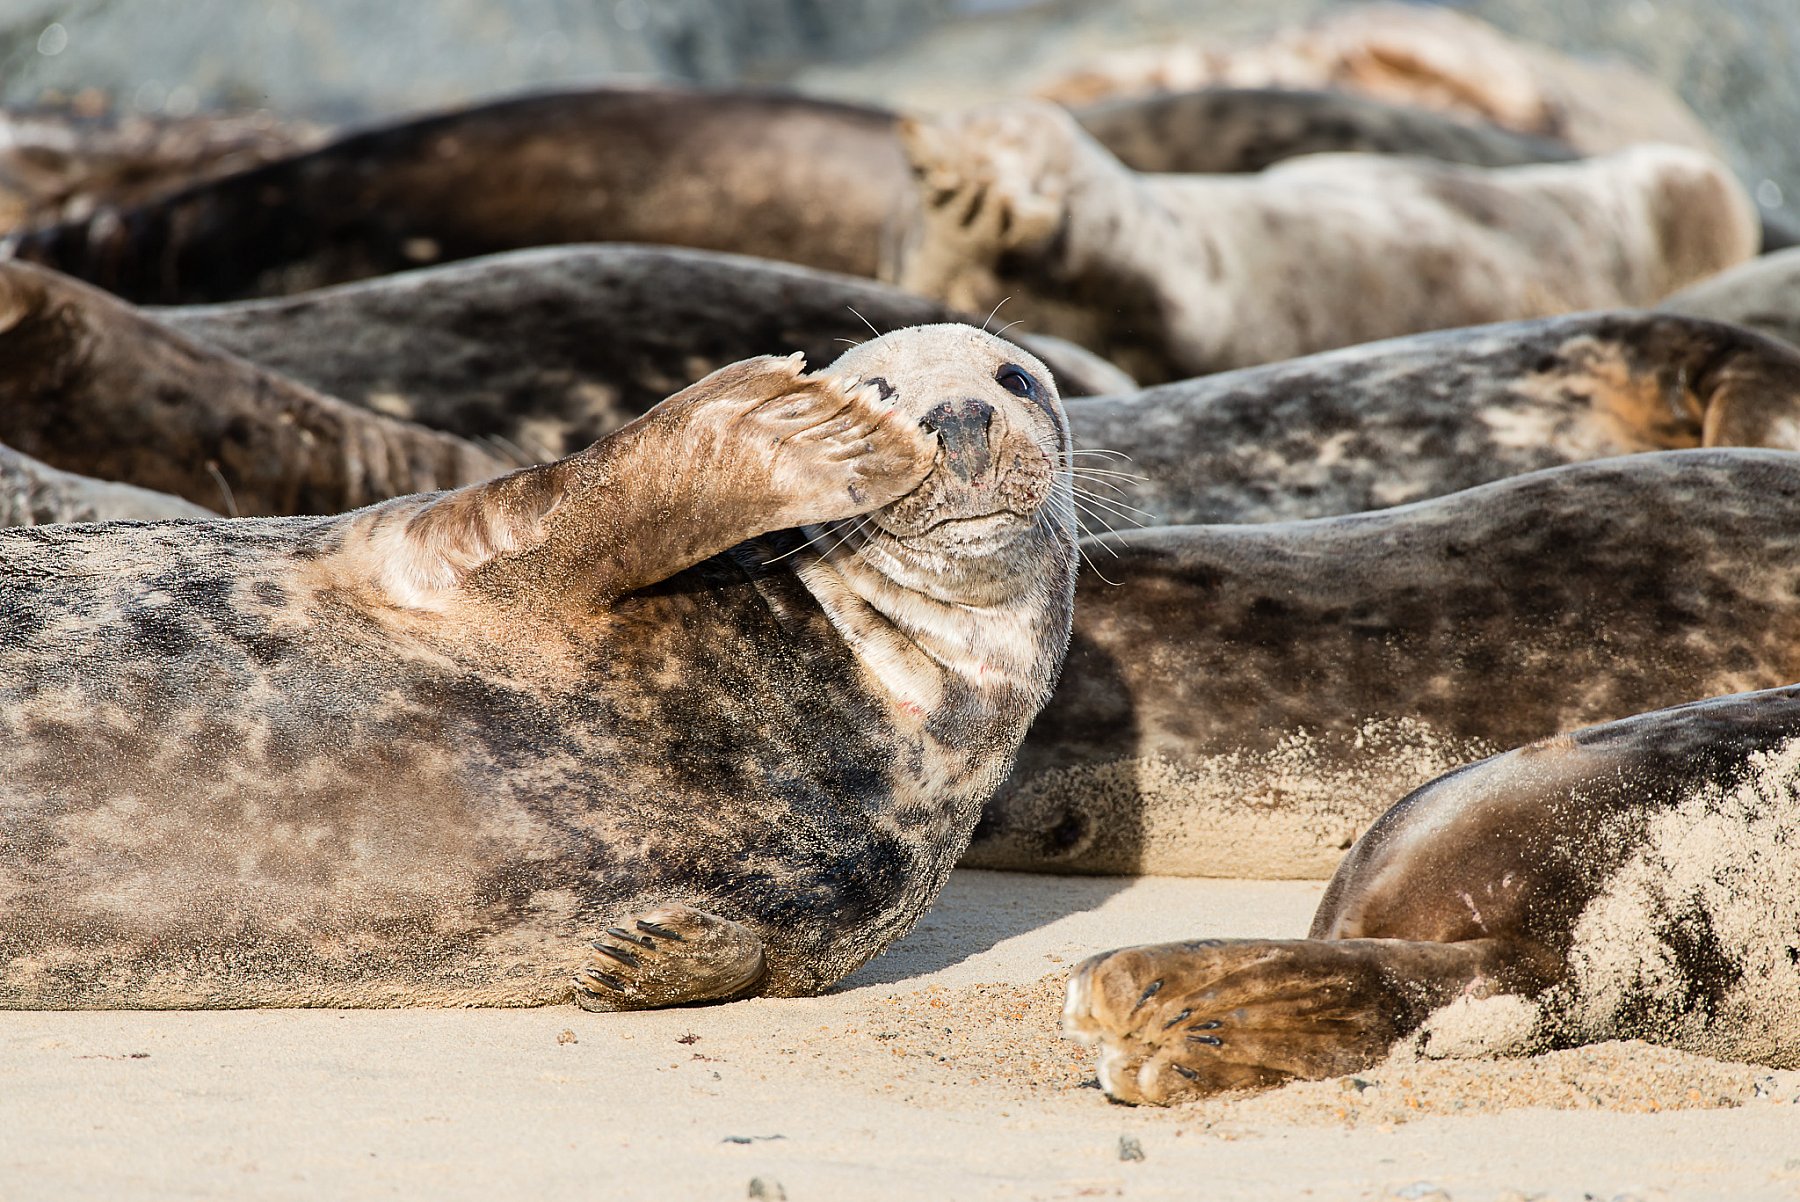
(935, 1073)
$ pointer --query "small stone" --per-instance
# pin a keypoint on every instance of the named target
(768, 1189)
(1418, 1191)
(1130, 1148)
(566, 1036)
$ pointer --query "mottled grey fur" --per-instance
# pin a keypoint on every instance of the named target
(425, 752)
(1246, 699)
(549, 349)
(1391, 422)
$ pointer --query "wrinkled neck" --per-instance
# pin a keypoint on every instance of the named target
(927, 623)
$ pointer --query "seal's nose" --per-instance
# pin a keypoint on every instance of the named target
(962, 430)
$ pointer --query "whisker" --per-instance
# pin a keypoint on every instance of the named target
(1001, 332)
(1099, 451)
(826, 531)
(1119, 509)
(990, 316)
(851, 341)
(1082, 482)
(864, 320)
(1084, 470)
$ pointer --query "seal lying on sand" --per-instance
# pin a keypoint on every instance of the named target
(1252, 697)
(1763, 294)
(36, 494)
(707, 709)
(549, 349)
(1368, 427)
(1173, 276)
(90, 386)
(1639, 880)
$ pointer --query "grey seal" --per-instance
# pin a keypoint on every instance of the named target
(704, 710)
(1246, 700)
(1178, 275)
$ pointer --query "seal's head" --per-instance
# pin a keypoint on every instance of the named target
(999, 485)
(975, 565)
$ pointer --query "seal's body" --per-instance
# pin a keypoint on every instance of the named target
(1388, 423)
(1763, 294)
(36, 494)
(510, 347)
(1252, 697)
(1174, 276)
(434, 751)
(1639, 880)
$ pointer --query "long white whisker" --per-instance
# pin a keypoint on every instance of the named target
(825, 532)
(1001, 332)
(864, 320)
(1119, 509)
(990, 316)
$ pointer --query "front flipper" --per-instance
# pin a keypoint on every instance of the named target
(757, 446)
(670, 956)
(1176, 1021)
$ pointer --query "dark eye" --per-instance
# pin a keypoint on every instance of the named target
(1017, 381)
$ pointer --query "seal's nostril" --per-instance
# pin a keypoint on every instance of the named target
(962, 430)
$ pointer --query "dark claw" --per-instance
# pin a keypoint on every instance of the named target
(620, 954)
(661, 932)
(1211, 1041)
(605, 978)
(1149, 992)
(628, 937)
(1189, 1073)
(1179, 1018)
(1211, 1024)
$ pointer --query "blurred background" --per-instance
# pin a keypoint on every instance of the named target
(1736, 62)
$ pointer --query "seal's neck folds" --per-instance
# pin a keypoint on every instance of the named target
(921, 631)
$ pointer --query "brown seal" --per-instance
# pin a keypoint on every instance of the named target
(506, 347)
(1639, 880)
(88, 385)
(1247, 699)
(707, 709)
(755, 172)
(1387, 423)
(1179, 275)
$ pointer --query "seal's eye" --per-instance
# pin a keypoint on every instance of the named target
(1017, 381)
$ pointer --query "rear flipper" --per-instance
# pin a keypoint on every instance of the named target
(1176, 1021)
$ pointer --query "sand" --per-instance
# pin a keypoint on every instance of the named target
(935, 1073)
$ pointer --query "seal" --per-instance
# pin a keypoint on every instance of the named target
(1221, 131)
(36, 494)
(1389, 423)
(503, 348)
(62, 162)
(88, 385)
(1426, 58)
(1637, 880)
(1763, 294)
(707, 709)
(1248, 699)
(755, 172)
(1174, 276)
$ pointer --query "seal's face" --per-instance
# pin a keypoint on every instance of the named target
(1002, 439)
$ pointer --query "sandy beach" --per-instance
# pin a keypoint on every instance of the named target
(935, 1072)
